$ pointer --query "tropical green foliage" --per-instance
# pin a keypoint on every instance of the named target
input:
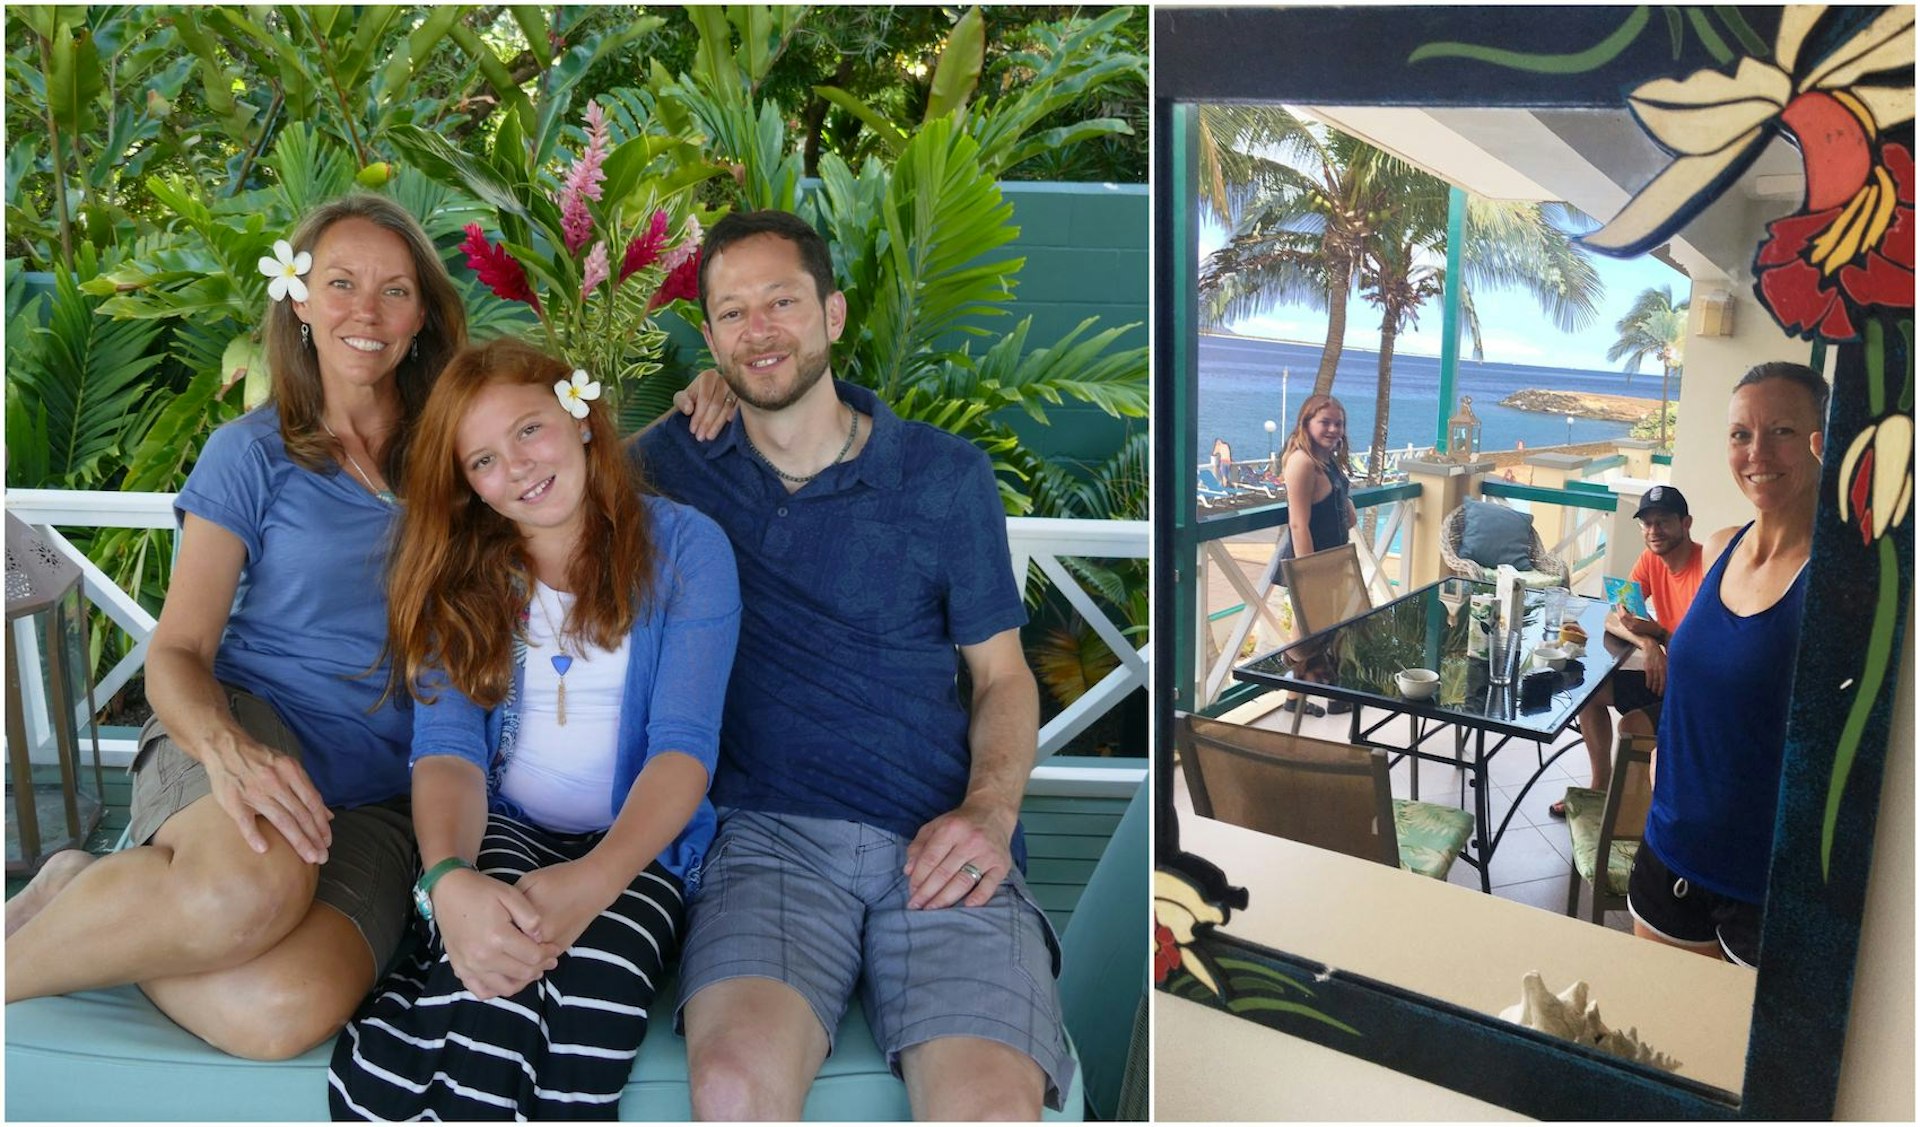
(156, 152)
(914, 239)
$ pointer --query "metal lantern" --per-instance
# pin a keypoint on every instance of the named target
(1463, 432)
(53, 800)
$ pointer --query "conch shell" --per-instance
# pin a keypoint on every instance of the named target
(1569, 1015)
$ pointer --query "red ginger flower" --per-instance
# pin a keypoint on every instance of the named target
(497, 269)
(682, 283)
(645, 248)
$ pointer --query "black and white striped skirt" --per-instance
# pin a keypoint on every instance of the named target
(423, 1047)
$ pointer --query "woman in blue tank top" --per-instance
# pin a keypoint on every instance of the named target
(1699, 880)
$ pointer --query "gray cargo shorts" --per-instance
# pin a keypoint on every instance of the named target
(821, 905)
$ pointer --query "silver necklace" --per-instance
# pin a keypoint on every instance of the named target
(385, 495)
(798, 479)
(562, 661)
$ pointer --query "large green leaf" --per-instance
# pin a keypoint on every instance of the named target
(73, 79)
(434, 155)
(958, 71)
(85, 377)
(890, 135)
(942, 215)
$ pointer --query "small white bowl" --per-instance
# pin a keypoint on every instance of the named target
(1417, 684)
(1552, 655)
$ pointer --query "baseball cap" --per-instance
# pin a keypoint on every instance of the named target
(1663, 499)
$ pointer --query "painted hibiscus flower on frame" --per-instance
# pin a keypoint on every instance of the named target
(1850, 245)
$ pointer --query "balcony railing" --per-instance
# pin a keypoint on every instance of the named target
(1044, 542)
(1387, 514)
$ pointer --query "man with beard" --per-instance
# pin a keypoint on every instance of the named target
(869, 828)
(1669, 572)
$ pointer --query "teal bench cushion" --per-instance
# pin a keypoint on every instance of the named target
(109, 1055)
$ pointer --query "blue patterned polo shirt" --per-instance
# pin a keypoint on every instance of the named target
(855, 591)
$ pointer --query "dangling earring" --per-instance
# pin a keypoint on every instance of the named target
(306, 336)
(416, 348)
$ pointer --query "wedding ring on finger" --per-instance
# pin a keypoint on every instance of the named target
(973, 871)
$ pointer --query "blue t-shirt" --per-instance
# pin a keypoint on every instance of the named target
(1723, 734)
(855, 591)
(679, 650)
(310, 615)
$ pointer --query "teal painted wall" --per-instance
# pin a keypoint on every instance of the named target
(1086, 252)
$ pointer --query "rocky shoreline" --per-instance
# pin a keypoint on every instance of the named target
(1582, 404)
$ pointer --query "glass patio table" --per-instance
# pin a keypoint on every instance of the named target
(1355, 661)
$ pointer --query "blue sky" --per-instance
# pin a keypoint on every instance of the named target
(1511, 323)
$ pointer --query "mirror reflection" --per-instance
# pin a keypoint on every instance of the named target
(1457, 528)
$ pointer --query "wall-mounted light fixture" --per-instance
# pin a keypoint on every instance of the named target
(1716, 314)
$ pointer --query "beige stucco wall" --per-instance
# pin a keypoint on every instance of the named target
(1877, 1072)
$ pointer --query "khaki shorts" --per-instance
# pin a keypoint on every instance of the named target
(370, 868)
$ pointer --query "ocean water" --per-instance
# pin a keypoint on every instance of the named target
(1240, 388)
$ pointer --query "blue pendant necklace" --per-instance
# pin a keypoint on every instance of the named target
(562, 660)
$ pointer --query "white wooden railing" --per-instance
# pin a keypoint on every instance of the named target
(1044, 541)
(1387, 575)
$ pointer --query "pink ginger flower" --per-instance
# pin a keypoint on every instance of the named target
(645, 248)
(586, 175)
(576, 225)
(498, 270)
(595, 270)
(582, 182)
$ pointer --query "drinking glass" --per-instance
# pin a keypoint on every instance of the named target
(1504, 648)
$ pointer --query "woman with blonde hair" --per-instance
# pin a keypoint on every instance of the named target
(567, 639)
(267, 882)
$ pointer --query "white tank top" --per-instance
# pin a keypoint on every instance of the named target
(562, 775)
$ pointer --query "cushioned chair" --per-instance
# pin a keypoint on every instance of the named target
(1325, 794)
(1326, 587)
(1544, 569)
(1610, 824)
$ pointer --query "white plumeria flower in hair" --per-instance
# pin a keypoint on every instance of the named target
(577, 392)
(285, 269)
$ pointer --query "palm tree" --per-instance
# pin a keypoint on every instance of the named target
(1317, 212)
(1654, 326)
(1527, 246)
(1303, 201)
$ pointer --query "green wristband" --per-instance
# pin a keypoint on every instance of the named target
(423, 888)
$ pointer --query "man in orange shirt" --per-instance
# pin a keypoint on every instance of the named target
(1669, 572)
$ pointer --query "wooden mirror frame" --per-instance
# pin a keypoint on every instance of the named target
(1861, 581)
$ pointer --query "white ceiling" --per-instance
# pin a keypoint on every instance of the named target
(1592, 159)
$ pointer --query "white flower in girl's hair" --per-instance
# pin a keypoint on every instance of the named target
(285, 269)
(577, 392)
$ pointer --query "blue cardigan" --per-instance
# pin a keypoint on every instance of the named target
(680, 656)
